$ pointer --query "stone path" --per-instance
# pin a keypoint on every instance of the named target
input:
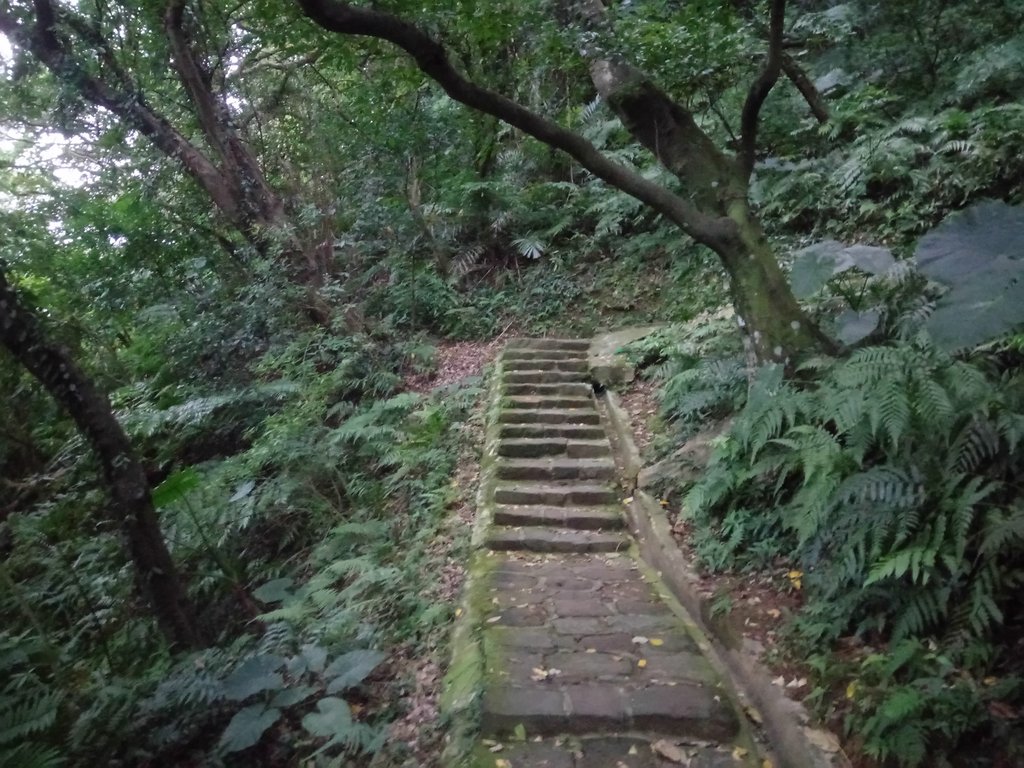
(585, 664)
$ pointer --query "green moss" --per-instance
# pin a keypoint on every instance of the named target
(464, 682)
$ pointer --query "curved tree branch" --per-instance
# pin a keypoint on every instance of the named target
(803, 83)
(431, 57)
(761, 88)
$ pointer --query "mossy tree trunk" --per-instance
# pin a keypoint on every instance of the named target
(776, 326)
(131, 503)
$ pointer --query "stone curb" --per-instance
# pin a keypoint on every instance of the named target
(463, 682)
(784, 720)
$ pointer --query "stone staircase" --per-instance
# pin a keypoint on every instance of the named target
(583, 655)
(555, 469)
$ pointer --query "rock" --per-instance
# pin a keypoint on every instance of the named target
(608, 368)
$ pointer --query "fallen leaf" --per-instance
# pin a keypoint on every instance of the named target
(458, 612)
(851, 689)
(640, 640)
(766, 763)
(642, 663)
(739, 753)
(519, 732)
(774, 612)
(657, 641)
(633, 750)
(797, 682)
(779, 681)
(670, 751)
(628, 500)
(795, 578)
(591, 650)
(496, 747)
(493, 619)
(990, 681)
(753, 714)
(502, 763)
(664, 502)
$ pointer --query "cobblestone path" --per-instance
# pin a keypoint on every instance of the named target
(585, 664)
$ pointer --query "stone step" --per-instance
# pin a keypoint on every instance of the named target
(543, 709)
(527, 448)
(577, 518)
(543, 354)
(568, 389)
(556, 469)
(555, 495)
(550, 416)
(577, 345)
(549, 401)
(553, 431)
(614, 750)
(545, 539)
(546, 364)
(543, 377)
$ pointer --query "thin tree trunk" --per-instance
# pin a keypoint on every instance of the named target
(131, 504)
(804, 84)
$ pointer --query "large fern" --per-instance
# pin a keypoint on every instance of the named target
(887, 477)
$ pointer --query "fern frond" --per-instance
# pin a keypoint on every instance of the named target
(1002, 531)
(975, 443)
(466, 260)
(31, 716)
(30, 755)
(894, 407)
(590, 109)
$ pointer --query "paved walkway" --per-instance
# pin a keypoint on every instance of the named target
(586, 666)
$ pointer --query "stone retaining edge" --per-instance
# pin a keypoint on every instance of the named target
(463, 682)
(783, 720)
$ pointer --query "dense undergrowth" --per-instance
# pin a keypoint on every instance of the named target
(309, 544)
(888, 483)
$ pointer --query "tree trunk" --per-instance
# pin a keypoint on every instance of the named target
(131, 504)
(776, 327)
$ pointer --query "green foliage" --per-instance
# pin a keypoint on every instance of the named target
(911, 704)
(303, 492)
(890, 482)
(701, 369)
(29, 707)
